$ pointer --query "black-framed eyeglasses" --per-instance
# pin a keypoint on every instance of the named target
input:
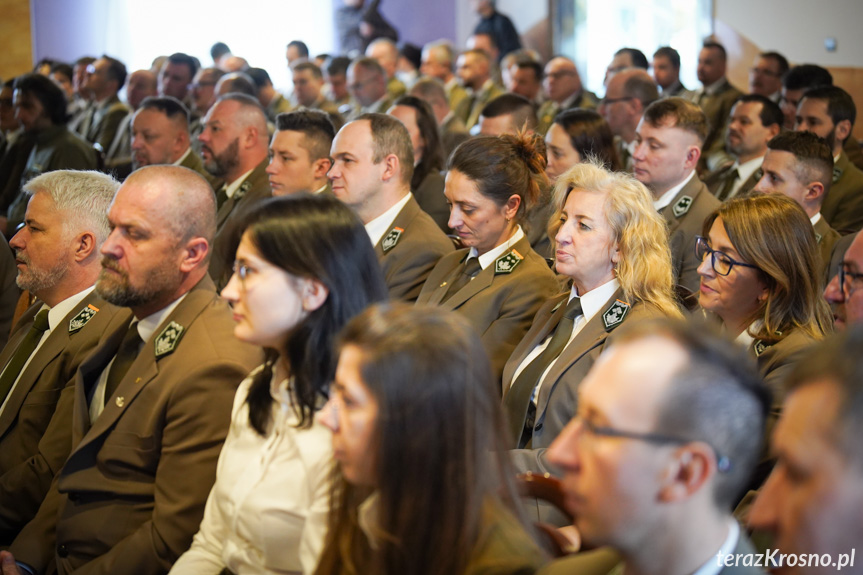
(609, 101)
(721, 262)
(855, 278)
(723, 463)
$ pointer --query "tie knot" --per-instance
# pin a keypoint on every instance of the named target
(40, 322)
(573, 308)
(472, 267)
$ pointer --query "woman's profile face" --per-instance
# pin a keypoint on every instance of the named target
(561, 155)
(478, 220)
(267, 301)
(734, 296)
(352, 414)
(408, 116)
(586, 248)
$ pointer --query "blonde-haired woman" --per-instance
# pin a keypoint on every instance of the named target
(612, 244)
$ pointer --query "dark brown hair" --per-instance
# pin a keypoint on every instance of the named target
(590, 136)
(504, 165)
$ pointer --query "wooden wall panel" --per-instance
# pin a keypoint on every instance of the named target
(15, 39)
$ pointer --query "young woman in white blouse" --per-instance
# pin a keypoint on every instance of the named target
(303, 268)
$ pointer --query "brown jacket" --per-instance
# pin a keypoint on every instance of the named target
(499, 304)
(132, 493)
(410, 250)
(254, 188)
(35, 425)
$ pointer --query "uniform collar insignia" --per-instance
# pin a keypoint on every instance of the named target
(244, 189)
(818, 238)
(391, 239)
(167, 341)
(81, 319)
(682, 206)
(837, 173)
(760, 347)
(506, 263)
(614, 315)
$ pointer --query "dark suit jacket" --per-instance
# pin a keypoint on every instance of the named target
(409, 262)
(499, 305)
(557, 400)
(683, 226)
(132, 493)
(843, 205)
(255, 188)
(717, 108)
(35, 426)
(429, 195)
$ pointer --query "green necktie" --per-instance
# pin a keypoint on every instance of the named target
(471, 269)
(727, 185)
(517, 402)
(23, 353)
(126, 354)
(221, 197)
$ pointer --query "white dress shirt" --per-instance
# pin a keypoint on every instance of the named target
(666, 198)
(381, 224)
(267, 512)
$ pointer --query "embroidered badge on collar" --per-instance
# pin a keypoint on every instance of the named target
(682, 206)
(560, 303)
(80, 320)
(391, 239)
(506, 263)
(760, 347)
(169, 338)
(244, 189)
(837, 173)
(817, 238)
(613, 316)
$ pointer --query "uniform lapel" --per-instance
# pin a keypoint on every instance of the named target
(591, 335)
(691, 191)
(146, 366)
(540, 330)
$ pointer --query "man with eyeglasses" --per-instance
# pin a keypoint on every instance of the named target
(845, 290)
(765, 76)
(564, 90)
(669, 427)
(629, 92)
(367, 83)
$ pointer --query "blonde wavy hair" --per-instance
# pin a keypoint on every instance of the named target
(644, 266)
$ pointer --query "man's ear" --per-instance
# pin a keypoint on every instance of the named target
(692, 466)
(85, 246)
(194, 254)
(321, 167)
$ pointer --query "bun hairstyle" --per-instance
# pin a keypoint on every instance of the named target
(490, 162)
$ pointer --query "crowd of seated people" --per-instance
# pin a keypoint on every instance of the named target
(435, 311)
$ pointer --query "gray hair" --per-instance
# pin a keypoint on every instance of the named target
(86, 196)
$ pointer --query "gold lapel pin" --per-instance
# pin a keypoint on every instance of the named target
(120, 401)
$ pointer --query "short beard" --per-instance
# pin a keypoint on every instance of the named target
(119, 291)
(220, 164)
(37, 280)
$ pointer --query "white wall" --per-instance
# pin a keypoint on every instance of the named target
(798, 29)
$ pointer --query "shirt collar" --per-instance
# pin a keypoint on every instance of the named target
(147, 326)
(666, 198)
(182, 158)
(491, 255)
(592, 301)
(713, 565)
(62, 309)
(232, 188)
(381, 224)
(816, 218)
(746, 169)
